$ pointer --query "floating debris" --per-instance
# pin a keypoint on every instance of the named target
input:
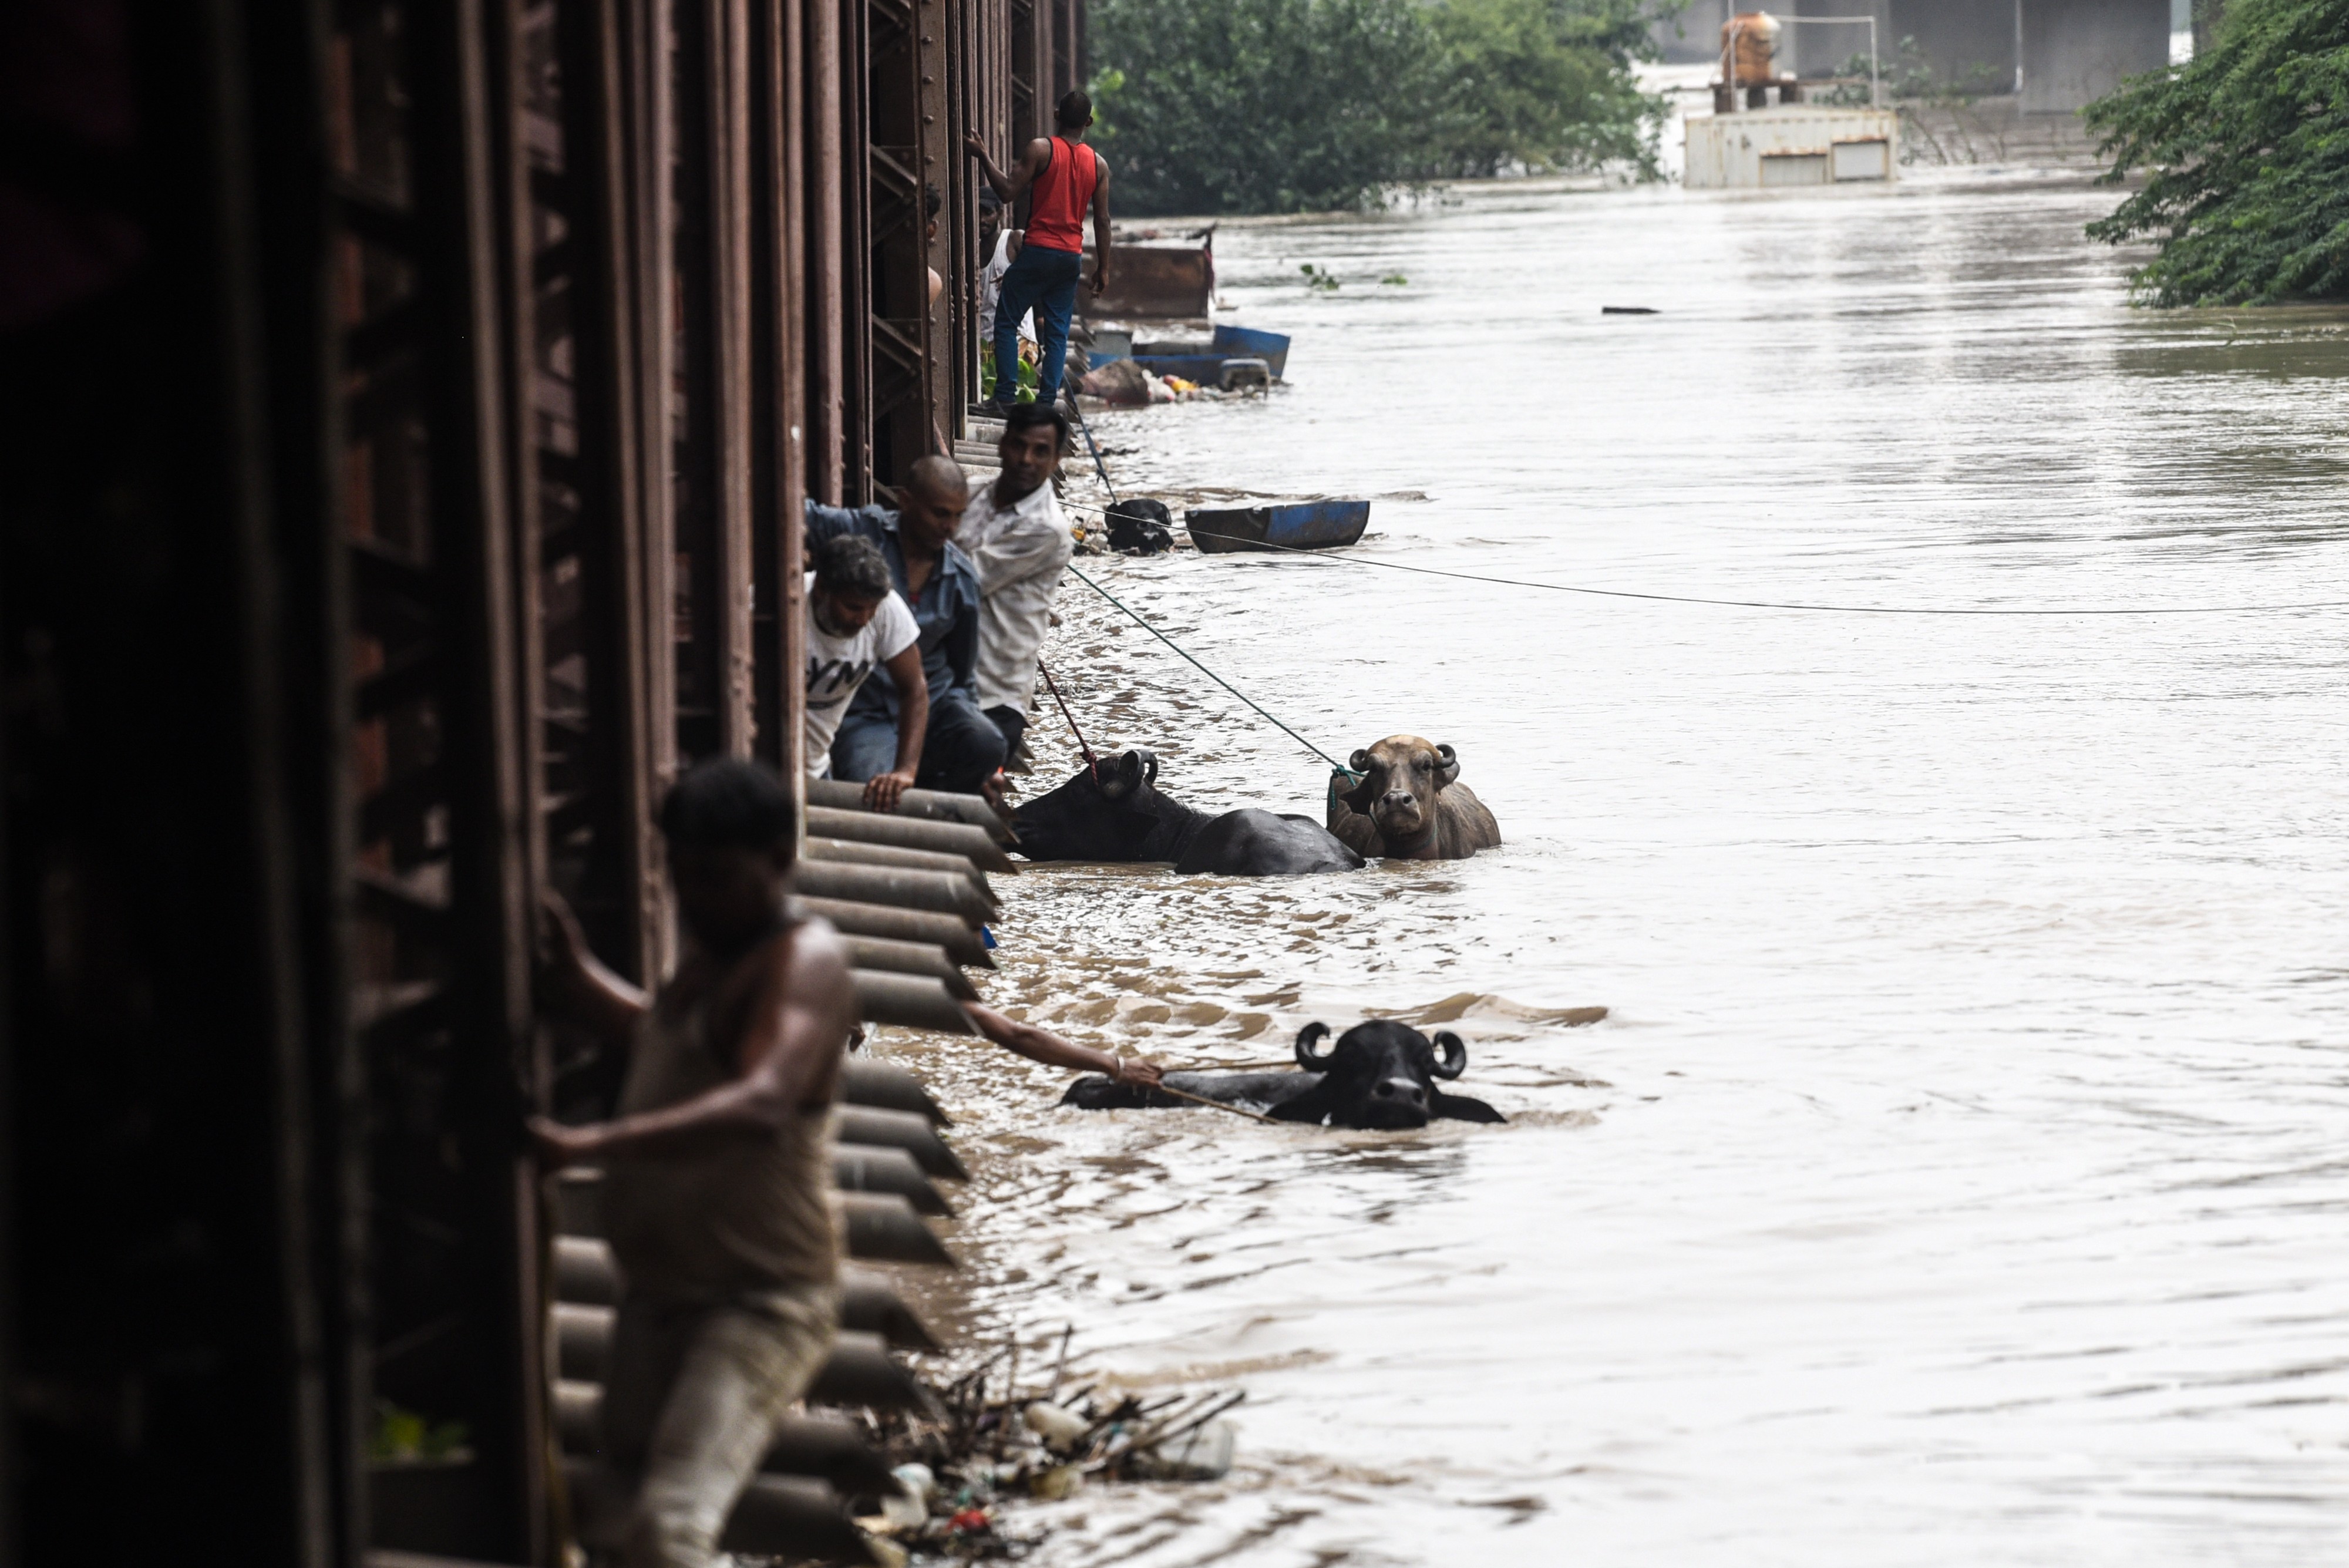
(986, 1442)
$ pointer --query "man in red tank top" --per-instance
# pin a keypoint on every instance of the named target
(1066, 177)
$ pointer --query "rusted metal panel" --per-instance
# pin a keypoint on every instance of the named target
(897, 264)
(794, 417)
(778, 357)
(434, 497)
(729, 157)
(856, 251)
(596, 787)
(824, 308)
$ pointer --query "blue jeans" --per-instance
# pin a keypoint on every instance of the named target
(961, 749)
(1046, 283)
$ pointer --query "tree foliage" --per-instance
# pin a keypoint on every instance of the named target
(1223, 105)
(2246, 154)
(1538, 84)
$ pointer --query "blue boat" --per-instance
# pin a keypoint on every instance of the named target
(1203, 362)
(1290, 525)
(1247, 343)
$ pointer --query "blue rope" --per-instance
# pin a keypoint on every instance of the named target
(1334, 558)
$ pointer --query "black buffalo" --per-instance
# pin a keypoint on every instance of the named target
(1120, 817)
(1380, 1075)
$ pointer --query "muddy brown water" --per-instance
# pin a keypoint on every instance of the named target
(1962, 1173)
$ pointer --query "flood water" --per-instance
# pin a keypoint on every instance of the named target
(1961, 1174)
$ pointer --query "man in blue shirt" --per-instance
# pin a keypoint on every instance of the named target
(963, 749)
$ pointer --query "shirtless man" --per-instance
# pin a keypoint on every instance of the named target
(718, 1164)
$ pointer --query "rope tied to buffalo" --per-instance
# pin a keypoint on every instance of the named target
(1093, 762)
(1261, 711)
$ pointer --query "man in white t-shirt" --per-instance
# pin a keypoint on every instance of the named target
(855, 621)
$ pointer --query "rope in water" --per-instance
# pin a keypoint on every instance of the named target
(1335, 558)
(1136, 617)
(1102, 469)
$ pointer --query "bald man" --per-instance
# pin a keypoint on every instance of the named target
(962, 748)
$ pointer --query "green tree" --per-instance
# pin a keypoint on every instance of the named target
(1259, 106)
(1222, 106)
(1541, 84)
(2246, 154)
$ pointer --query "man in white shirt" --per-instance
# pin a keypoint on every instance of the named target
(1002, 248)
(854, 621)
(1014, 534)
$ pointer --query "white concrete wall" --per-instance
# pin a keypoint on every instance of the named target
(1725, 152)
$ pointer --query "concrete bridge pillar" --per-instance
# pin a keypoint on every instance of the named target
(2073, 52)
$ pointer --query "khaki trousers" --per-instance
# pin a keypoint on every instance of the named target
(690, 1407)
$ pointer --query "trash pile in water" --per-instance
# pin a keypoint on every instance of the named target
(1122, 383)
(980, 1447)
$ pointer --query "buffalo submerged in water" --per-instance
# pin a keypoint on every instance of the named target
(1120, 816)
(1380, 1075)
(1410, 805)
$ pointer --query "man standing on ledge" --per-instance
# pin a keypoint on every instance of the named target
(718, 1185)
(1067, 177)
(1014, 534)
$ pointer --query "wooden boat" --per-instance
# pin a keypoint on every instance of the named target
(1290, 526)
(1155, 282)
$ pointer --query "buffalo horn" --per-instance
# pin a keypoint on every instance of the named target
(1360, 762)
(1449, 766)
(1455, 1054)
(1123, 775)
(1307, 1038)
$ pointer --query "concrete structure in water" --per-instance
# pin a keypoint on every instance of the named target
(1792, 145)
(2056, 56)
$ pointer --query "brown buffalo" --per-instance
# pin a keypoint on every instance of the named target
(1411, 805)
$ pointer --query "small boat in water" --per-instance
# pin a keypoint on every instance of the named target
(1289, 526)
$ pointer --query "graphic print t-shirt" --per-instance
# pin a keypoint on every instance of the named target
(837, 666)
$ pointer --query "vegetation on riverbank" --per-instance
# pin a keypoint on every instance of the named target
(2246, 157)
(1273, 106)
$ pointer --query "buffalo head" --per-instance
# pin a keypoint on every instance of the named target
(1381, 1074)
(1401, 776)
(1117, 817)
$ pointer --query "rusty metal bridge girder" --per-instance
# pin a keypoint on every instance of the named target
(603, 290)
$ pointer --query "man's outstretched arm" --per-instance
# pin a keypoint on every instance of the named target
(794, 1028)
(1043, 1046)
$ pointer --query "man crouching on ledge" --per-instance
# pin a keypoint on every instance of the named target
(718, 1164)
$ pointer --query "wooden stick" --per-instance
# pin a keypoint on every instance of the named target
(1203, 1100)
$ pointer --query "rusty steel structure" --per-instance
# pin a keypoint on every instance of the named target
(408, 411)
